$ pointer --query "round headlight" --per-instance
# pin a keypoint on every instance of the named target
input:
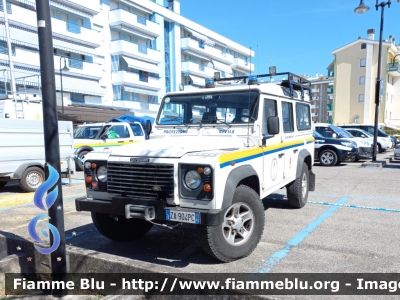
(207, 171)
(102, 174)
(192, 179)
(88, 165)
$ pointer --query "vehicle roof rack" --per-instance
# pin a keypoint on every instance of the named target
(293, 82)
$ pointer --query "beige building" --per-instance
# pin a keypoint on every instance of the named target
(355, 72)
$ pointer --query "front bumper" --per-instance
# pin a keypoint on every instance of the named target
(346, 155)
(365, 152)
(116, 206)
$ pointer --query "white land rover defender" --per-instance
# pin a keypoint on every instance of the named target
(214, 154)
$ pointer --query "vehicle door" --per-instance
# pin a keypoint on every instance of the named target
(303, 132)
(116, 135)
(137, 133)
(273, 159)
(288, 137)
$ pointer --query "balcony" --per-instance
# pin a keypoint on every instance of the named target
(242, 66)
(75, 33)
(394, 69)
(76, 67)
(127, 21)
(89, 6)
(314, 114)
(192, 46)
(314, 90)
(133, 79)
(122, 47)
(196, 69)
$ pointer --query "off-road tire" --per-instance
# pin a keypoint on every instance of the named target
(119, 228)
(328, 157)
(212, 237)
(2, 183)
(31, 179)
(296, 196)
(78, 163)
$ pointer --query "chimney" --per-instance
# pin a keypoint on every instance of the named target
(371, 34)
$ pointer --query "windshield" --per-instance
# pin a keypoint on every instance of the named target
(340, 132)
(87, 132)
(317, 135)
(210, 108)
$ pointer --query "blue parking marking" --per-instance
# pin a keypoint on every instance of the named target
(356, 206)
(275, 258)
(356, 197)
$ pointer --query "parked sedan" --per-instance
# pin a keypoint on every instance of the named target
(332, 152)
(384, 143)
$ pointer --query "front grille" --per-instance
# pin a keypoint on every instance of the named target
(142, 181)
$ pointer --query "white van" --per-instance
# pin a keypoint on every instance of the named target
(22, 155)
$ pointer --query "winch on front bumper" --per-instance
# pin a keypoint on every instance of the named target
(147, 209)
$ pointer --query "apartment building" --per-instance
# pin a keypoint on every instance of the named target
(122, 53)
(322, 97)
(356, 68)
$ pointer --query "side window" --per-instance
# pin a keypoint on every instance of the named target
(303, 116)
(321, 131)
(269, 110)
(127, 134)
(116, 131)
(287, 116)
(136, 129)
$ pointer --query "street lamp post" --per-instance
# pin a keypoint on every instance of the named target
(63, 69)
(362, 8)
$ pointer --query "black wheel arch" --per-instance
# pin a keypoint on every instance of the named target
(83, 148)
(22, 168)
(245, 175)
(304, 156)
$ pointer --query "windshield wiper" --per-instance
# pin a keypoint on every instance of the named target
(176, 119)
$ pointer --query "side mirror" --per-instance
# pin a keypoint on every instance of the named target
(273, 125)
(148, 128)
(363, 136)
(104, 136)
(273, 128)
(334, 135)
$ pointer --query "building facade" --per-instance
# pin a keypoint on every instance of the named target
(322, 97)
(355, 69)
(123, 53)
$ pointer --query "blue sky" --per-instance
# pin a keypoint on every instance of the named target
(296, 35)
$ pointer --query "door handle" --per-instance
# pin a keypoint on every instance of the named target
(295, 150)
(120, 141)
(131, 140)
(281, 154)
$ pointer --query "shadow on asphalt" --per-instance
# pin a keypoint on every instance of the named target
(178, 247)
(12, 187)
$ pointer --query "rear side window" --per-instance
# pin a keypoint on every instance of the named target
(303, 116)
(269, 111)
(287, 116)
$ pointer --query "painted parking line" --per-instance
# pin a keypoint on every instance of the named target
(275, 258)
(356, 206)
(355, 197)
(31, 202)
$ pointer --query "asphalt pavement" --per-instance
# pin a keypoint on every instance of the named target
(350, 224)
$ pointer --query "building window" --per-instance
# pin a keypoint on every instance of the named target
(362, 62)
(201, 44)
(143, 76)
(360, 97)
(361, 81)
(75, 97)
(363, 46)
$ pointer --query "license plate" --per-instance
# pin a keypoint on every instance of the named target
(182, 216)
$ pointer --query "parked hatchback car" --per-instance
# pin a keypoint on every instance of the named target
(332, 152)
(384, 143)
(397, 153)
